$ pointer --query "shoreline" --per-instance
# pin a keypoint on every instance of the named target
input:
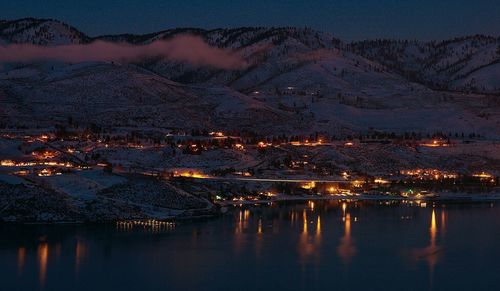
(221, 207)
(453, 198)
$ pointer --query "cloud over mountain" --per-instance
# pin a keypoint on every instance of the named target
(184, 48)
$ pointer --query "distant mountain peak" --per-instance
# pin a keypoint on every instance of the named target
(466, 64)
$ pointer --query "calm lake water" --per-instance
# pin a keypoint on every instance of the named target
(295, 246)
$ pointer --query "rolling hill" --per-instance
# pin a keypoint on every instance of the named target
(297, 80)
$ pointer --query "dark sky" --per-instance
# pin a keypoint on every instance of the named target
(347, 19)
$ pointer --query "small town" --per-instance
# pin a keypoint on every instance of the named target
(155, 175)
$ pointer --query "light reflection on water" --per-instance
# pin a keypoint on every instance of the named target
(43, 255)
(21, 257)
(299, 245)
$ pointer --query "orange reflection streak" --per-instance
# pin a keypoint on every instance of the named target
(311, 205)
(242, 221)
(307, 245)
(293, 217)
(79, 255)
(43, 254)
(304, 222)
(346, 249)
(318, 227)
(258, 243)
(21, 256)
(433, 227)
(432, 248)
(430, 253)
(238, 238)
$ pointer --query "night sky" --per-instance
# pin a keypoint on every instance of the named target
(347, 19)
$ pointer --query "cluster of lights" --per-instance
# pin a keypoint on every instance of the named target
(482, 175)
(429, 174)
(11, 163)
(244, 174)
(145, 223)
(298, 164)
(309, 185)
(262, 144)
(435, 143)
(485, 176)
(358, 183)
(380, 181)
(190, 174)
(48, 173)
(332, 190)
(44, 155)
(307, 143)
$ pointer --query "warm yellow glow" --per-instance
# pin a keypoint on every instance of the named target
(433, 229)
(190, 174)
(346, 249)
(381, 181)
(309, 185)
(482, 175)
(332, 190)
(7, 163)
(348, 224)
(318, 226)
(429, 174)
(357, 183)
(216, 133)
(48, 173)
(304, 222)
(435, 143)
(44, 155)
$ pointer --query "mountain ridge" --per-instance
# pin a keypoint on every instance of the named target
(298, 80)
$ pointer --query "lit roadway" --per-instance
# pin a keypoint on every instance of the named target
(272, 180)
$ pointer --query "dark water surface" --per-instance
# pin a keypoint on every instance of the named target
(301, 246)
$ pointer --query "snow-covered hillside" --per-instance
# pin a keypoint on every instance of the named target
(40, 32)
(118, 95)
(462, 64)
(298, 81)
